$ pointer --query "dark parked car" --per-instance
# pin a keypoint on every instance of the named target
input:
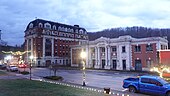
(2, 66)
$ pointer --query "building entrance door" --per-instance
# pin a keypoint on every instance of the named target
(48, 63)
(103, 63)
(124, 64)
(93, 62)
(138, 65)
(114, 64)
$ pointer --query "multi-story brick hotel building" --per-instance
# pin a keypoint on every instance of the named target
(123, 53)
(49, 42)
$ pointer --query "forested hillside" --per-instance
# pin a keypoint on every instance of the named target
(136, 32)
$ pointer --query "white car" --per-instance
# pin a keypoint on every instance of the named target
(12, 68)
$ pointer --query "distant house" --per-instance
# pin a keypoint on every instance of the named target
(122, 53)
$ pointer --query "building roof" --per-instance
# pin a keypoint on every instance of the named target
(37, 21)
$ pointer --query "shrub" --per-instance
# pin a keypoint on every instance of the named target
(24, 72)
(54, 78)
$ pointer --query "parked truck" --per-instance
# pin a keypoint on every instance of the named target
(154, 85)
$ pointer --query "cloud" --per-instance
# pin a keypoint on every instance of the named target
(94, 15)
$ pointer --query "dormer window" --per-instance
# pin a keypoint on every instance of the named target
(47, 25)
(72, 30)
(85, 32)
(81, 31)
(65, 29)
(40, 25)
(62, 29)
(59, 28)
(54, 27)
(31, 25)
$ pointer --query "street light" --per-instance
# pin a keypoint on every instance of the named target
(31, 58)
(83, 56)
(8, 58)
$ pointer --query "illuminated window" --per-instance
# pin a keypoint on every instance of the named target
(149, 47)
(31, 25)
(138, 48)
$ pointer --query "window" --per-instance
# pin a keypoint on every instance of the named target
(54, 27)
(114, 49)
(47, 25)
(40, 25)
(155, 82)
(123, 49)
(48, 47)
(149, 63)
(144, 80)
(59, 28)
(138, 48)
(31, 25)
(149, 47)
(103, 49)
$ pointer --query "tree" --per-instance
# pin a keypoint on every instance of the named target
(54, 68)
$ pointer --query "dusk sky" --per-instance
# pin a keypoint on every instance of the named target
(93, 15)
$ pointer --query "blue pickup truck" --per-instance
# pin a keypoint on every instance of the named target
(148, 84)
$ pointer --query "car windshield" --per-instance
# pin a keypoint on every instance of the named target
(163, 81)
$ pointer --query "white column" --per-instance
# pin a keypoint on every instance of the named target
(106, 56)
(90, 57)
(109, 56)
(87, 58)
(52, 49)
(96, 57)
(27, 50)
(98, 54)
(43, 51)
(32, 50)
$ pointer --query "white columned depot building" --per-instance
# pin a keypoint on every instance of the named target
(123, 53)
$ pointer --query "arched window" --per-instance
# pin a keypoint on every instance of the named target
(68, 30)
(59, 28)
(31, 25)
(85, 32)
(81, 31)
(54, 27)
(47, 25)
(40, 25)
(62, 29)
(72, 30)
(65, 29)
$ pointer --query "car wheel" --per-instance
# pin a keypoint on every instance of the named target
(168, 94)
(132, 89)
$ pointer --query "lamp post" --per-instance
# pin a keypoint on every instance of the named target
(31, 58)
(83, 56)
(8, 58)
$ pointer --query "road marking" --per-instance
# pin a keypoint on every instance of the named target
(124, 90)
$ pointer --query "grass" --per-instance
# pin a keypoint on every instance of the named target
(2, 73)
(37, 88)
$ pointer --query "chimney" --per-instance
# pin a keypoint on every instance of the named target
(76, 25)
